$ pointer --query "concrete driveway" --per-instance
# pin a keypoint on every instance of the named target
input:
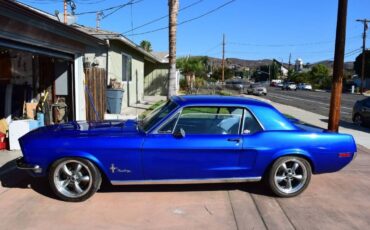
(332, 201)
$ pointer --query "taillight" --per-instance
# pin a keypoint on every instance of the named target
(341, 155)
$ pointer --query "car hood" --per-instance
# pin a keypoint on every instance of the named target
(87, 128)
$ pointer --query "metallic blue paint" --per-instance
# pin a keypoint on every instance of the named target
(150, 156)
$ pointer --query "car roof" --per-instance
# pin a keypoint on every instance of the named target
(217, 100)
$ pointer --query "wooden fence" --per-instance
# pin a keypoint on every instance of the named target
(95, 86)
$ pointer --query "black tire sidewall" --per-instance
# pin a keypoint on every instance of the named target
(95, 174)
(271, 175)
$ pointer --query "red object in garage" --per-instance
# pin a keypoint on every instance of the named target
(2, 141)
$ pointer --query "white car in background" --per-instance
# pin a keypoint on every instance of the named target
(304, 86)
(289, 86)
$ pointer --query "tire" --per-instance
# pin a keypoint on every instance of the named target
(74, 179)
(358, 120)
(289, 176)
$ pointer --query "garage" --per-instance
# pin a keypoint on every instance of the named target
(42, 78)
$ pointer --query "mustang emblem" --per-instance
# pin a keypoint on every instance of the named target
(114, 169)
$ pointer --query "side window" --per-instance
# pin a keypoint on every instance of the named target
(210, 120)
(169, 126)
(250, 125)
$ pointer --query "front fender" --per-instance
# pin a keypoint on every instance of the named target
(81, 154)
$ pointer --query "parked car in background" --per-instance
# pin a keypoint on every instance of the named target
(289, 86)
(236, 84)
(304, 86)
(361, 112)
(280, 84)
(190, 139)
(257, 89)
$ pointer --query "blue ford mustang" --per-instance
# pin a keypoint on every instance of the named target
(190, 139)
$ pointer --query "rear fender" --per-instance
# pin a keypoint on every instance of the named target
(295, 152)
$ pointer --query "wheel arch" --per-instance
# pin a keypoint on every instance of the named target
(83, 155)
(303, 155)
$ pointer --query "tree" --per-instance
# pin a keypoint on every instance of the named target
(192, 67)
(357, 66)
(319, 77)
(146, 45)
(173, 6)
(275, 70)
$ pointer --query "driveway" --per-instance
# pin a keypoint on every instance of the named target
(332, 201)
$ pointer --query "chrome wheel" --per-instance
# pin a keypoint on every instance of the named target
(290, 176)
(72, 178)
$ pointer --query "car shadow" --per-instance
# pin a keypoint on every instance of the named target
(350, 125)
(12, 177)
(253, 187)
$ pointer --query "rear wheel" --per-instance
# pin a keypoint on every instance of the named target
(74, 179)
(289, 176)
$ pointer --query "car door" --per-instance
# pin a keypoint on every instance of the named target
(197, 143)
(252, 142)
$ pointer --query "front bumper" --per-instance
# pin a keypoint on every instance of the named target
(21, 164)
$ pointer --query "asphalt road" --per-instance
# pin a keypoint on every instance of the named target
(316, 102)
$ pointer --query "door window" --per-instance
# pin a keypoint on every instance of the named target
(367, 103)
(210, 120)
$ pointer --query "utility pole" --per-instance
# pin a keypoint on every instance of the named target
(290, 55)
(223, 59)
(364, 21)
(336, 91)
(65, 11)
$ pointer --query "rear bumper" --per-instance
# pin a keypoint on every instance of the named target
(21, 164)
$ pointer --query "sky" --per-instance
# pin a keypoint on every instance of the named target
(254, 29)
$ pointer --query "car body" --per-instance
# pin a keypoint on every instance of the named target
(257, 89)
(304, 86)
(361, 112)
(289, 86)
(190, 139)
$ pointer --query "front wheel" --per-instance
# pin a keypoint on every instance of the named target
(74, 179)
(289, 176)
(358, 120)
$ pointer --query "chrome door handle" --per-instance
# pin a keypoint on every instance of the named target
(234, 140)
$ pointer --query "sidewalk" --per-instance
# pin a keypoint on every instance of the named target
(361, 135)
(135, 110)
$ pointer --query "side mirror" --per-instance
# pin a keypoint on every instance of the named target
(179, 133)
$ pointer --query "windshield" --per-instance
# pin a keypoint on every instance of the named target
(156, 115)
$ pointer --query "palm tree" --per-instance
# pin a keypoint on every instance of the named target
(173, 6)
(146, 45)
(190, 67)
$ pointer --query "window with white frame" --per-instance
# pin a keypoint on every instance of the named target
(126, 68)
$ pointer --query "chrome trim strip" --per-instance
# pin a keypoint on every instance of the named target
(187, 181)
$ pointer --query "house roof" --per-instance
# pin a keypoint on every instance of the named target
(163, 56)
(93, 35)
(109, 35)
(52, 21)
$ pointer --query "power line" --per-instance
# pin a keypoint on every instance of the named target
(117, 7)
(163, 17)
(287, 45)
(186, 21)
